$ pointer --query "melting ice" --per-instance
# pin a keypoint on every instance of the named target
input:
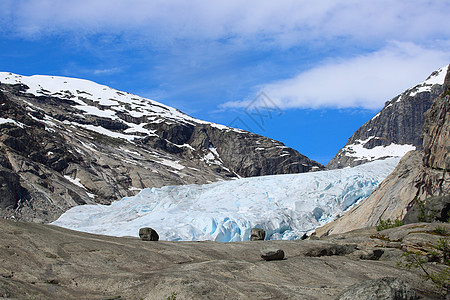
(286, 206)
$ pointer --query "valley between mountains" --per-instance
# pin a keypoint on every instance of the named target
(90, 158)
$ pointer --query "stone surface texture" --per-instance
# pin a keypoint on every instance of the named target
(384, 288)
(47, 262)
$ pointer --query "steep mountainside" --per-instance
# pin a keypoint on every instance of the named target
(396, 129)
(419, 175)
(66, 142)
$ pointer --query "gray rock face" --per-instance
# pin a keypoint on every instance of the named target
(384, 288)
(257, 234)
(68, 148)
(419, 176)
(435, 178)
(389, 200)
(9, 188)
(148, 234)
(433, 209)
(272, 254)
(400, 122)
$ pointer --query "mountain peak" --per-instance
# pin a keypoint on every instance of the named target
(75, 142)
(396, 129)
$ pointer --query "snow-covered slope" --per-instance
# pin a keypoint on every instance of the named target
(76, 142)
(100, 100)
(396, 129)
(286, 206)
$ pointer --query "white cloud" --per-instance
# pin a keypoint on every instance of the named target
(287, 21)
(365, 81)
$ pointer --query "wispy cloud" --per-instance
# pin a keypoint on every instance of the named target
(366, 81)
(106, 71)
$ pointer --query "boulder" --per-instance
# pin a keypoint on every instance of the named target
(272, 254)
(257, 234)
(148, 234)
(384, 288)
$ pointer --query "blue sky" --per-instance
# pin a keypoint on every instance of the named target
(323, 68)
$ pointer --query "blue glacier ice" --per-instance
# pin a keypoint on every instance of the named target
(286, 206)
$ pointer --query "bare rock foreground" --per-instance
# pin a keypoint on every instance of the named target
(47, 262)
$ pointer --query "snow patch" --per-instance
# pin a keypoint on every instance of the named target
(77, 182)
(212, 157)
(376, 116)
(172, 164)
(85, 93)
(107, 132)
(5, 121)
(358, 151)
(436, 78)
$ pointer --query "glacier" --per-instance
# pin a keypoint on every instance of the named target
(285, 206)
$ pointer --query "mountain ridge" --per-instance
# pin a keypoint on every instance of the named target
(396, 129)
(66, 142)
(420, 176)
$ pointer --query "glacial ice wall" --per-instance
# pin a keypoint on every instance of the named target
(286, 206)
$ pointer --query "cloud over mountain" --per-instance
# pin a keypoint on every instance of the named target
(365, 81)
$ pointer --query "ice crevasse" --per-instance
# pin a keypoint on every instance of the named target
(286, 206)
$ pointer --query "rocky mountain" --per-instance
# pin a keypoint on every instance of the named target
(66, 142)
(421, 177)
(396, 129)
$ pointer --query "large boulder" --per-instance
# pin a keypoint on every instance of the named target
(257, 234)
(272, 254)
(148, 234)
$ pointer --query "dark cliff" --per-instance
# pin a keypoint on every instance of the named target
(395, 130)
(420, 177)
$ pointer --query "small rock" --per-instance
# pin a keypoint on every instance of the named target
(148, 234)
(272, 254)
(257, 234)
